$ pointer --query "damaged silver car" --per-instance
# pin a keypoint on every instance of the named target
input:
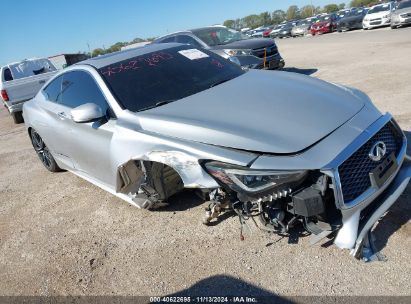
(278, 148)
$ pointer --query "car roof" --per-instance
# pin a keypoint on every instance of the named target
(105, 60)
(206, 27)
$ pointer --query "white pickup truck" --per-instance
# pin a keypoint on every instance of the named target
(21, 81)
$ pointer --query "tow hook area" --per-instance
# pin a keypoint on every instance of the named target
(213, 211)
(368, 251)
(216, 206)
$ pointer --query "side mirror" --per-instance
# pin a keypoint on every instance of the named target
(86, 113)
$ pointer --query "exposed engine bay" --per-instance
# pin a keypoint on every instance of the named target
(301, 198)
(308, 201)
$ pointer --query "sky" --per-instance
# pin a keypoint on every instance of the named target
(45, 28)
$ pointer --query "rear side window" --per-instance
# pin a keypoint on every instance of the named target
(169, 39)
(79, 88)
(188, 40)
(7, 75)
(53, 90)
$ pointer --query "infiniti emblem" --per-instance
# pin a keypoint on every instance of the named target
(378, 151)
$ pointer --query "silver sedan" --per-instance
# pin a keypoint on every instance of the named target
(279, 148)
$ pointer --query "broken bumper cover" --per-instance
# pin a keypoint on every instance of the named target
(383, 203)
(357, 227)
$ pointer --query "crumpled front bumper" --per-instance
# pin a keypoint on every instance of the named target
(355, 227)
(383, 203)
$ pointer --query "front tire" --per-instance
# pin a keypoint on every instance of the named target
(17, 117)
(43, 152)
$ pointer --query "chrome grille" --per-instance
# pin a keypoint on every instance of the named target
(354, 172)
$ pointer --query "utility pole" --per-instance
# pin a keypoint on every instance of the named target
(312, 9)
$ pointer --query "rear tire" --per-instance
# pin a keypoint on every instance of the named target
(43, 152)
(17, 117)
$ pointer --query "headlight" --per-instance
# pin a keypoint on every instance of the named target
(231, 52)
(252, 181)
(386, 16)
(328, 24)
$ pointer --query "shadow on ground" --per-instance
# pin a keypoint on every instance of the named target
(227, 286)
(300, 71)
(182, 201)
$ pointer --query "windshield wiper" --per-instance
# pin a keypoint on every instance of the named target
(157, 104)
(220, 82)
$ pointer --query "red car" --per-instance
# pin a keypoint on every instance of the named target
(266, 33)
(324, 24)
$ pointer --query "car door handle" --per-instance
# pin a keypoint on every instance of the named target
(62, 115)
(42, 82)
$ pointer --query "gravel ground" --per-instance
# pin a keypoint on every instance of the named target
(60, 235)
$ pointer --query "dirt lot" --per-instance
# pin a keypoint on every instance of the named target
(61, 235)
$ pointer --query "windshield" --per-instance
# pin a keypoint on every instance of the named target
(301, 23)
(323, 18)
(404, 4)
(379, 8)
(356, 13)
(219, 35)
(152, 79)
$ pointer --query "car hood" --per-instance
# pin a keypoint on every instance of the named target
(276, 30)
(322, 23)
(301, 27)
(264, 111)
(351, 18)
(253, 43)
(402, 11)
(377, 15)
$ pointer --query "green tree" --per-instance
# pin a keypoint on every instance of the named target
(331, 8)
(229, 23)
(97, 52)
(238, 25)
(251, 21)
(341, 6)
(293, 12)
(265, 18)
(307, 11)
(278, 16)
(136, 40)
(363, 3)
(116, 47)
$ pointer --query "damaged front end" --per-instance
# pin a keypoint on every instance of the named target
(340, 200)
(343, 200)
(277, 200)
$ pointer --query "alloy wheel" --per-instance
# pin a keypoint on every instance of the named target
(41, 149)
